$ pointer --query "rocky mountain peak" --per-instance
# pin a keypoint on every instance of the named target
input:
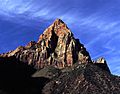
(61, 45)
(57, 29)
(58, 22)
(56, 46)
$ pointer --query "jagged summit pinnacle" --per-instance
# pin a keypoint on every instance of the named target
(59, 21)
(58, 28)
(63, 47)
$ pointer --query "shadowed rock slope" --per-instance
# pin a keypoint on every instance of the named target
(56, 64)
(83, 79)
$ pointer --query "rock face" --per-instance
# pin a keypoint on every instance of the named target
(56, 46)
(101, 62)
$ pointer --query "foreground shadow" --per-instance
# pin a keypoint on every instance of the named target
(15, 78)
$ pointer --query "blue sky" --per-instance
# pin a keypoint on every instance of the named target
(95, 22)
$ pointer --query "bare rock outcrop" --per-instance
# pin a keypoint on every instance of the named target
(101, 62)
